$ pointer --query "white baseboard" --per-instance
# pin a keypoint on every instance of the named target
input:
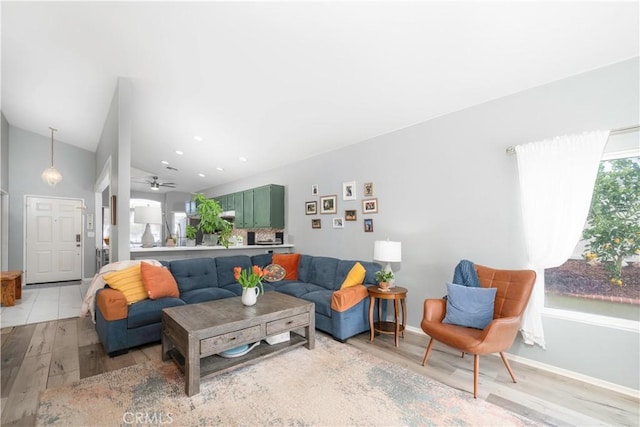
(560, 371)
(576, 376)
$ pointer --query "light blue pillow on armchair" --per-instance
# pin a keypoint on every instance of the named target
(468, 306)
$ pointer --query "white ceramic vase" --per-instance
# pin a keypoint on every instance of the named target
(250, 295)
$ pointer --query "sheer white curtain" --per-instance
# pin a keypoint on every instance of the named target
(556, 183)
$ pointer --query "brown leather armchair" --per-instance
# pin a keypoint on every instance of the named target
(514, 289)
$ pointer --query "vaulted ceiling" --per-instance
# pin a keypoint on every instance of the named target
(277, 82)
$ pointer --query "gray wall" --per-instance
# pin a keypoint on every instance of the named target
(114, 154)
(175, 201)
(447, 190)
(4, 189)
(29, 155)
(4, 154)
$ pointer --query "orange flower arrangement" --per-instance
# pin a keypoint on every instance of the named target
(249, 279)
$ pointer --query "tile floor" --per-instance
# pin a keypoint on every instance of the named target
(40, 304)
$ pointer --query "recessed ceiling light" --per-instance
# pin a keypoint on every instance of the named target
(198, 138)
(219, 169)
(179, 152)
(243, 159)
(164, 162)
(201, 175)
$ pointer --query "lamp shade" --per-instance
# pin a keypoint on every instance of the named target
(147, 215)
(51, 176)
(387, 251)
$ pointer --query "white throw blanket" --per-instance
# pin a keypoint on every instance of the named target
(97, 283)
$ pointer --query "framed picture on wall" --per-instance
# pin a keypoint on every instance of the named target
(328, 204)
(368, 225)
(314, 190)
(370, 206)
(311, 208)
(113, 208)
(349, 190)
(315, 223)
(350, 215)
(338, 222)
(368, 189)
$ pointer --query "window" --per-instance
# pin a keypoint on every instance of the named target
(603, 274)
(136, 230)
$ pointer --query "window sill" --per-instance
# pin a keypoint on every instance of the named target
(592, 319)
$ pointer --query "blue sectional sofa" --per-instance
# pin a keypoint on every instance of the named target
(121, 326)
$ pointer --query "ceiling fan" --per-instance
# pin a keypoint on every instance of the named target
(155, 184)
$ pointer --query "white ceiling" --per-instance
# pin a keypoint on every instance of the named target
(280, 82)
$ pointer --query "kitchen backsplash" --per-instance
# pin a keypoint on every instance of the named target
(262, 234)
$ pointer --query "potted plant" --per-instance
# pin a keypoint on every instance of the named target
(191, 231)
(251, 282)
(383, 277)
(211, 223)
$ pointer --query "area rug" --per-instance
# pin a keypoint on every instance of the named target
(333, 385)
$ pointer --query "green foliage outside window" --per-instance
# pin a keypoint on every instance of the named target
(613, 225)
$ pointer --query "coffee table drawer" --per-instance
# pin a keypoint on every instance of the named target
(287, 323)
(221, 342)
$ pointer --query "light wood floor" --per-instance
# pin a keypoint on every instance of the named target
(49, 354)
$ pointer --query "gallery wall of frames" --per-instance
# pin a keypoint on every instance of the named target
(354, 210)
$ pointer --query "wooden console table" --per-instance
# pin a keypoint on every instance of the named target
(11, 287)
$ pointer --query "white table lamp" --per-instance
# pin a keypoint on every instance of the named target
(147, 215)
(387, 251)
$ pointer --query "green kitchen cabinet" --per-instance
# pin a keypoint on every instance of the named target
(219, 200)
(227, 202)
(268, 206)
(222, 201)
(247, 210)
(238, 206)
(261, 207)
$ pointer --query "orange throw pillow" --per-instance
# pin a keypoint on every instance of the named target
(290, 264)
(158, 281)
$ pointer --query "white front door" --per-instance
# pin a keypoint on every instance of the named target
(53, 240)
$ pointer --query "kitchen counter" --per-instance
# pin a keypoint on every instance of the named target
(168, 253)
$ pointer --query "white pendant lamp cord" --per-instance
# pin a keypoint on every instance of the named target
(50, 175)
(52, 131)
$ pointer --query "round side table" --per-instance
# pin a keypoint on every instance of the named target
(396, 294)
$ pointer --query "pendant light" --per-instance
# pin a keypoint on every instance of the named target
(51, 175)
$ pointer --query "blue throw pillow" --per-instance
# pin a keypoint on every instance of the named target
(471, 307)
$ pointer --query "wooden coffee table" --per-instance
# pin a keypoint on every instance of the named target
(194, 334)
